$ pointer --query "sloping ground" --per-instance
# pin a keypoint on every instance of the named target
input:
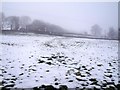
(31, 61)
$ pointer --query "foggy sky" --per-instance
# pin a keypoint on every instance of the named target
(74, 16)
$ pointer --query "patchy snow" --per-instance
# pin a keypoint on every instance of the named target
(30, 61)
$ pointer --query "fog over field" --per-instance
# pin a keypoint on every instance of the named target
(73, 16)
(59, 46)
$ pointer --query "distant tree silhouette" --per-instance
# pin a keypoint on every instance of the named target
(25, 24)
(24, 21)
(36, 26)
(2, 18)
(39, 26)
(96, 30)
(112, 34)
(13, 21)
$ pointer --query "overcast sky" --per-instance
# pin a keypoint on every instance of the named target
(77, 16)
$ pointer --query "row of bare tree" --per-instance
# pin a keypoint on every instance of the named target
(24, 23)
(96, 30)
(13, 22)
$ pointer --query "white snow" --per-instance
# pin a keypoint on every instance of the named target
(74, 61)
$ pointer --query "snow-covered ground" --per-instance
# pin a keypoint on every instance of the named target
(30, 61)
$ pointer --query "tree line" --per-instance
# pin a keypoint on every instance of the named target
(97, 31)
(25, 24)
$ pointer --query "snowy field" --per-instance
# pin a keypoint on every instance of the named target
(31, 61)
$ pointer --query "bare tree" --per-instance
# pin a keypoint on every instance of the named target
(13, 21)
(112, 34)
(37, 25)
(96, 30)
(24, 21)
(2, 18)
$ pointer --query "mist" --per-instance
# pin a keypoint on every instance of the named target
(59, 46)
(74, 17)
